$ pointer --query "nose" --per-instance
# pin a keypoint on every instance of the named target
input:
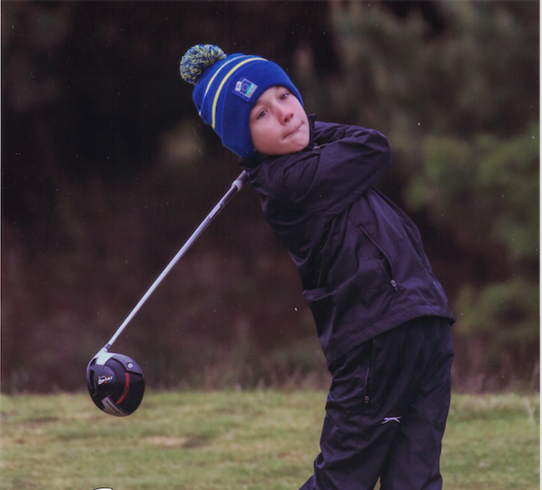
(285, 115)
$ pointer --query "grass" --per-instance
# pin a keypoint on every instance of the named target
(228, 440)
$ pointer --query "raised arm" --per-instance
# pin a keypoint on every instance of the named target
(343, 163)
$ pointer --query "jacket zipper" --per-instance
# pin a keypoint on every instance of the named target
(385, 255)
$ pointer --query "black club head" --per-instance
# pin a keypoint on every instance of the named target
(115, 383)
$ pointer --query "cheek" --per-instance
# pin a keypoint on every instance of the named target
(256, 134)
(260, 138)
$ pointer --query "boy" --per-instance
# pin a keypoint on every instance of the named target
(381, 315)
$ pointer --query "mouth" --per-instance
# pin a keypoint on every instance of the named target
(293, 132)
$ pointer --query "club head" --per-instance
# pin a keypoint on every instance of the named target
(115, 383)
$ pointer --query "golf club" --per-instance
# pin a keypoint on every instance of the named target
(115, 382)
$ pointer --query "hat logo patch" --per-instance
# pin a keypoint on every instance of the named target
(245, 89)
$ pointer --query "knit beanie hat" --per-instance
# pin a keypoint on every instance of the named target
(226, 89)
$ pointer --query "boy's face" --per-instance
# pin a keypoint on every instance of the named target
(278, 123)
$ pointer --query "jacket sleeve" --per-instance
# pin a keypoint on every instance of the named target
(328, 178)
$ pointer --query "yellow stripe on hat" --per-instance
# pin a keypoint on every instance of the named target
(217, 94)
(213, 78)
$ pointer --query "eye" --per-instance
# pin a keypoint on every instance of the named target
(284, 96)
(261, 114)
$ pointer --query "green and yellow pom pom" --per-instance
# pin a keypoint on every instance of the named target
(197, 59)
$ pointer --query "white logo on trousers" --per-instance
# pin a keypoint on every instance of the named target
(391, 419)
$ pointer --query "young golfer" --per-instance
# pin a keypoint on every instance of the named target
(381, 315)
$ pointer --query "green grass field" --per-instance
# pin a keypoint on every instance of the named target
(249, 440)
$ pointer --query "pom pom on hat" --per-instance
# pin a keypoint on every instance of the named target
(197, 59)
(226, 89)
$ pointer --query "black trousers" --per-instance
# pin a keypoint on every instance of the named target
(386, 411)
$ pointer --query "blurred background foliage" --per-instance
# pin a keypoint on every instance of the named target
(106, 171)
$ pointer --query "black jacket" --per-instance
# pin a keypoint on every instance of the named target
(361, 260)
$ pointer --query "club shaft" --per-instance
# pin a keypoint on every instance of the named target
(235, 187)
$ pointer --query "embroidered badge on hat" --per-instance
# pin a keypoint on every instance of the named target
(245, 89)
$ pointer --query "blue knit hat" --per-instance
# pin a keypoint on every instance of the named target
(226, 89)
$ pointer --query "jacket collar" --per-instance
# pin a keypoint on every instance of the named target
(312, 120)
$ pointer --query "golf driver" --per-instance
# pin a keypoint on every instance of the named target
(115, 382)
